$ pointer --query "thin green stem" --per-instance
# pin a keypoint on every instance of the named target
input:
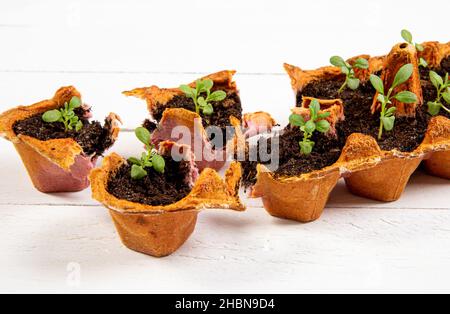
(445, 108)
(306, 137)
(343, 86)
(439, 95)
(380, 132)
(66, 124)
(383, 112)
(197, 107)
(389, 94)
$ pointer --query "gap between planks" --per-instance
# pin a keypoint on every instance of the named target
(248, 207)
(115, 72)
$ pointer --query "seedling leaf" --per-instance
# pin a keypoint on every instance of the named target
(52, 116)
(407, 36)
(138, 172)
(446, 97)
(143, 135)
(218, 96)
(436, 79)
(406, 97)
(159, 163)
(188, 91)
(377, 83)
(75, 102)
(403, 75)
(134, 161)
(306, 147)
(353, 83)
(296, 120)
(323, 126)
(388, 123)
(361, 64)
(434, 108)
(338, 62)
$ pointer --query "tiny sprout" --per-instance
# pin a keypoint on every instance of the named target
(65, 115)
(346, 68)
(387, 116)
(442, 86)
(407, 36)
(202, 103)
(317, 122)
(149, 159)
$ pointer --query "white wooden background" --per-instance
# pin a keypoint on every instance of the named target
(105, 47)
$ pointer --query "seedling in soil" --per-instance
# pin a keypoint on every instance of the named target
(202, 96)
(317, 122)
(346, 68)
(443, 93)
(149, 159)
(387, 116)
(66, 115)
(407, 36)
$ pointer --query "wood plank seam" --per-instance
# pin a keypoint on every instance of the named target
(248, 207)
(115, 72)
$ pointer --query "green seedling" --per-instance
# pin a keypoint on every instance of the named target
(149, 159)
(408, 37)
(66, 115)
(443, 93)
(317, 122)
(346, 68)
(202, 96)
(387, 116)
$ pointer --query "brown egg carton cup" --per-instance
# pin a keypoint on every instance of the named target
(57, 165)
(156, 97)
(438, 164)
(368, 170)
(161, 230)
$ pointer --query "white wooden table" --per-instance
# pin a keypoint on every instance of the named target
(104, 48)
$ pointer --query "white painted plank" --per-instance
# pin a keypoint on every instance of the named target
(423, 192)
(373, 250)
(190, 36)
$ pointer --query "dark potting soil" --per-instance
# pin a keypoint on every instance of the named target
(249, 173)
(155, 189)
(445, 65)
(407, 135)
(442, 70)
(93, 137)
(230, 106)
(150, 125)
(327, 151)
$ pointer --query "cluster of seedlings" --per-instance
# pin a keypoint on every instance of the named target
(203, 96)
(149, 158)
(385, 97)
(66, 115)
(442, 86)
(349, 70)
(317, 122)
